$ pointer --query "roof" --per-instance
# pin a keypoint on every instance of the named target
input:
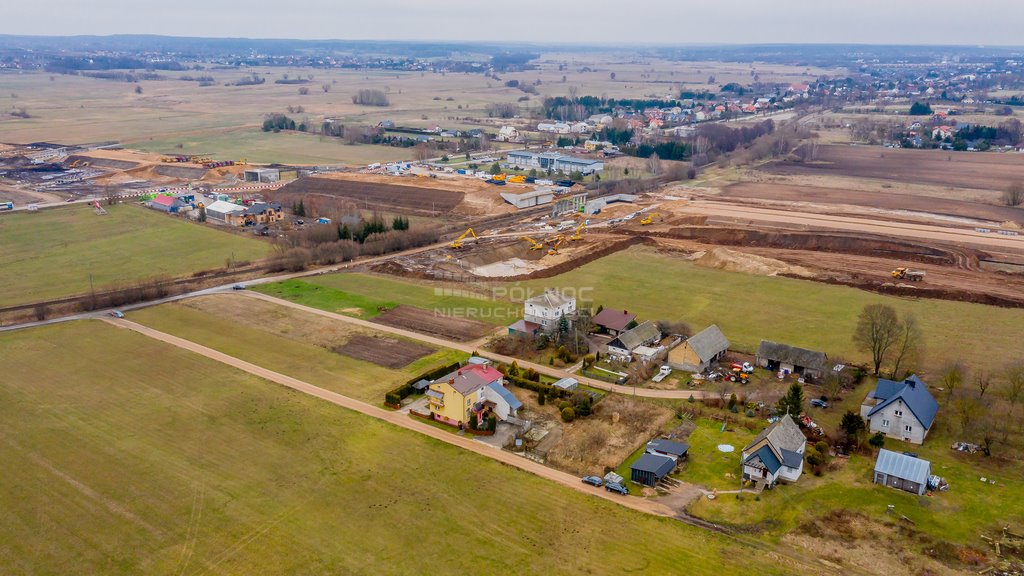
(506, 395)
(708, 343)
(658, 465)
(913, 392)
(524, 326)
(766, 458)
(637, 336)
(614, 319)
(903, 466)
(262, 207)
(166, 201)
(224, 207)
(421, 384)
(566, 383)
(784, 434)
(470, 378)
(435, 394)
(791, 459)
(551, 299)
(792, 355)
(668, 447)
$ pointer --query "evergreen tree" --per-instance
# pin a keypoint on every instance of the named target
(495, 168)
(793, 402)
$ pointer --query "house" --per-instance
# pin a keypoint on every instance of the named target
(613, 321)
(472, 391)
(699, 351)
(623, 345)
(902, 471)
(548, 308)
(649, 469)
(903, 410)
(508, 134)
(262, 213)
(776, 454)
(792, 360)
(167, 204)
(674, 450)
(943, 132)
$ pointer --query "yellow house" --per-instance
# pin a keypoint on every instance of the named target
(699, 351)
(475, 390)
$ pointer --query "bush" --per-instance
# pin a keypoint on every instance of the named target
(750, 413)
(492, 422)
(563, 405)
(541, 398)
(814, 458)
(877, 440)
(371, 98)
(568, 414)
(822, 447)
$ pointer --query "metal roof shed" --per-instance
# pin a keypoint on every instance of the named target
(649, 469)
(902, 471)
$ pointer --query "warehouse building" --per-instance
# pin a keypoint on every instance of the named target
(553, 161)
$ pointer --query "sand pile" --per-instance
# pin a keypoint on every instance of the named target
(732, 261)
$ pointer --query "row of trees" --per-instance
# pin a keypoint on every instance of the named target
(371, 97)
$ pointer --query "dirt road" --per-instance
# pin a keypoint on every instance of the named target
(824, 221)
(403, 420)
(474, 347)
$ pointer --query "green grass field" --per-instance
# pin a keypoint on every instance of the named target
(158, 461)
(343, 293)
(280, 348)
(799, 312)
(52, 253)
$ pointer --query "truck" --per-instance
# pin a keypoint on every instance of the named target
(6, 205)
(908, 274)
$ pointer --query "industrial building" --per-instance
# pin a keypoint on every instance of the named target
(265, 175)
(553, 161)
(537, 197)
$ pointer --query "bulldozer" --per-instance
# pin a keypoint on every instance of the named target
(578, 233)
(908, 274)
(555, 244)
(534, 245)
(649, 218)
(457, 243)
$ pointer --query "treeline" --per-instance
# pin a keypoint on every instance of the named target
(668, 150)
(722, 138)
(325, 244)
(71, 64)
(369, 97)
(568, 109)
(276, 122)
(124, 76)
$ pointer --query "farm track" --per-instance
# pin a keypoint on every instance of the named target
(794, 558)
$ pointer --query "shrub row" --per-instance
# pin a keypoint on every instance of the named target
(394, 397)
(548, 390)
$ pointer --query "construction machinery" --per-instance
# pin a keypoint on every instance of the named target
(578, 233)
(457, 243)
(517, 179)
(534, 245)
(555, 244)
(649, 218)
(908, 274)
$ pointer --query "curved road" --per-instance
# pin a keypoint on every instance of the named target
(402, 420)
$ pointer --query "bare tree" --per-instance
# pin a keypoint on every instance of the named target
(907, 349)
(654, 164)
(573, 90)
(1014, 195)
(878, 329)
(326, 88)
(952, 377)
(983, 381)
(303, 91)
(1015, 388)
(423, 151)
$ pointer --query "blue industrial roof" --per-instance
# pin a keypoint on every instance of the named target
(509, 397)
(668, 447)
(903, 466)
(658, 465)
(767, 458)
(913, 392)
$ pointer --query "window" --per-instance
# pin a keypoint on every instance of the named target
(898, 412)
(885, 423)
(908, 428)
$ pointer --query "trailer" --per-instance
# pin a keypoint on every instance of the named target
(6, 205)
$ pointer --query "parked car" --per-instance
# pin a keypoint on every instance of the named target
(819, 403)
(593, 481)
(616, 487)
(117, 314)
(238, 287)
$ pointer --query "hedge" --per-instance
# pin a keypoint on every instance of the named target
(394, 397)
(547, 389)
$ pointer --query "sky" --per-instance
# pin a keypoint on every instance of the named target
(978, 22)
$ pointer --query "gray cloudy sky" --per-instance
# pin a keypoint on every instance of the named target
(987, 22)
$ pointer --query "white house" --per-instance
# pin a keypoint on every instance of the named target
(508, 134)
(903, 410)
(776, 454)
(548, 308)
(635, 340)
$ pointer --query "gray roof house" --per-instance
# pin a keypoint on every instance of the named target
(776, 454)
(902, 471)
(641, 335)
(900, 409)
(662, 447)
(699, 351)
(649, 469)
(807, 363)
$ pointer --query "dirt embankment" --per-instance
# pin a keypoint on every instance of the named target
(733, 261)
(333, 195)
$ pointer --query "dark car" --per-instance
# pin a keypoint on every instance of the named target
(238, 287)
(818, 403)
(593, 481)
(616, 487)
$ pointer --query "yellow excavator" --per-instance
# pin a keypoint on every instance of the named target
(578, 233)
(555, 243)
(534, 245)
(649, 218)
(457, 243)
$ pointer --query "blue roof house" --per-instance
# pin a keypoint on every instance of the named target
(776, 454)
(900, 409)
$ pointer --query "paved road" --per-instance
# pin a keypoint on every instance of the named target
(401, 419)
(475, 347)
